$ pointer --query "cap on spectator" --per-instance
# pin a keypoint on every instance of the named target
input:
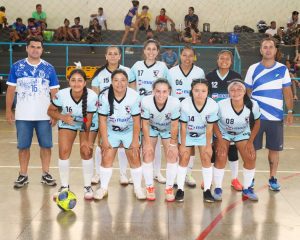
(295, 13)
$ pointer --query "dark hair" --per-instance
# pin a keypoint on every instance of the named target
(151, 40)
(38, 5)
(66, 20)
(100, 8)
(19, 19)
(32, 20)
(162, 81)
(77, 18)
(226, 51)
(164, 10)
(269, 39)
(135, 3)
(191, 8)
(111, 95)
(295, 13)
(34, 39)
(83, 97)
(2, 8)
(197, 81)
(187, 47)
(145, 7)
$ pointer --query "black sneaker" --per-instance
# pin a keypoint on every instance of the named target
(179, 197)
(21, 181)
(48, 180)
(207, 197)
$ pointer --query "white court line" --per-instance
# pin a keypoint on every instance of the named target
(194, 170)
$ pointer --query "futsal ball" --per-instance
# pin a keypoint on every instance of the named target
(66, 200)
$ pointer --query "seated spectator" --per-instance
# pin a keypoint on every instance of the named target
(94, 33)
(101, 18)
(3, 19)
(272, 31)
(162, 22)
(18, 31)
(191, 18)
(33, 29)
(40, 16)
(170, 58)
(64, 33)
(191, 34)
(77, 29)
(144, 19)
(293, 25)
(292, 70)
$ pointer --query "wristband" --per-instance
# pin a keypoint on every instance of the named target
(290, 111)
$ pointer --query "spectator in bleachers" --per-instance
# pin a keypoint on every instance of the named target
(170, 58)
(64, 33)
(94, 33)
(191, 34)
(3, 19)
(191, 18)
(128, 22)
(272, 31)
(292, 70)
(34, 29)
(18, 31)
(40, 16)
(144, 19)
(293, 25)
(162, 22)
(101, 18)
(77, 29)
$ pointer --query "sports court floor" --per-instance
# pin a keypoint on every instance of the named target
(30, 213)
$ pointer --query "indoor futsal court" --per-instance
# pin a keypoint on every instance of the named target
(30, 212)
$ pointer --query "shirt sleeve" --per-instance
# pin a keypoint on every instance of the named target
(286, 81)
(176, 111)
(57, 100)
(103, 106)
(12, 78)
(145, 114)
(213, 117)
(255, 110)
(248, 78)
(132, 74)
(184, 115)
(53, 79)
(136, 107)
(95, 81)
(93, 103)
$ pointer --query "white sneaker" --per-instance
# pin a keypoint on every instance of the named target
(62, 188)
(140, 193)
(190, 181)
(130, 181)
(123, 179)
(88, 193)
(96, 179)
(160, 178)
(100, 193)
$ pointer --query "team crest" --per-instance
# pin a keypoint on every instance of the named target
(127, 108)
(247, 120)
(155, 73)
(168, 116)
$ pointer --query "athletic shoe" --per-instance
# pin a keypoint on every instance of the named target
(21, 181)
(100, 193)
(273, 184)
(252, 184)
(123, 179)
(169, 194)
(218, 194)
(160, 178)
(130, 180)
(95, 179)
(150, 193)
(48, 180)
(249, 194)
(179, 197)
(61, 189)
(207, 197)
(190, 181)
(140, 193)
(237, 186)
(88, 193)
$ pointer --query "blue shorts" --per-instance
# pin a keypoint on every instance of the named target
(274, 135)
(128, 21)
(25, 129)
(236, 138)
(156, 133)
(194, 139)
(116, 138)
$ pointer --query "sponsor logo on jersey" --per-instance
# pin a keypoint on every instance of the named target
(214, 95)
(127, 108)
(178, 91)
(190, 127)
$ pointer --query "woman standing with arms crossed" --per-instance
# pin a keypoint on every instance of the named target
(77, 105)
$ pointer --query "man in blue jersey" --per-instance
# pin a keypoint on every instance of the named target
(34, 80)
(268, 82)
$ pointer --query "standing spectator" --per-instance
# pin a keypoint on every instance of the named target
(161, 22)
(270, 100)
(18, 32)
(128, 22)
(77, 29)
(3, 19)
(94, 33)
(293, 25)
(170, 58)
(34, 80)
(101, 18)
(292, 70)
(219, 80)
(40, 16)
(191, 18)
(34, 29)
